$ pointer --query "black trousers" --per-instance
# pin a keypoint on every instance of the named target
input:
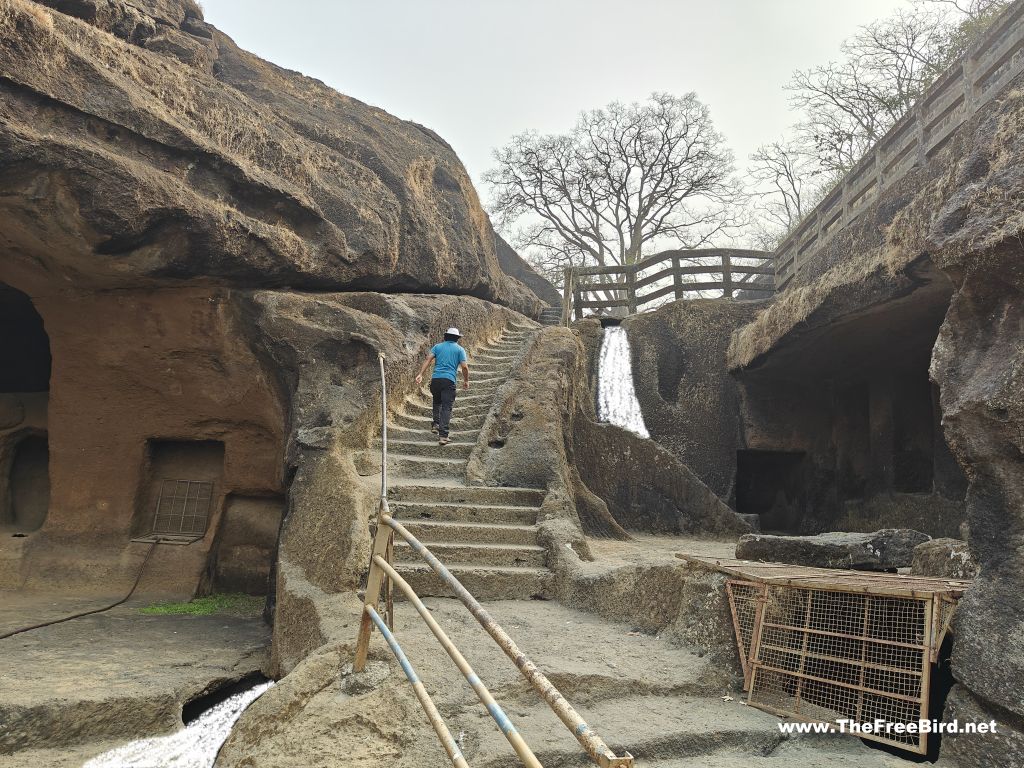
(443, 391)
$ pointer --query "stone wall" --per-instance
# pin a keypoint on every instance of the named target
(132, 370)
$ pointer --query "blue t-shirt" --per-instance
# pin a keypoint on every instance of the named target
(448, 355)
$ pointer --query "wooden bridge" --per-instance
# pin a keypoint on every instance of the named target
(650, 282)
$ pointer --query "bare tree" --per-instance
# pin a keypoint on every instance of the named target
(624, 180)
(848, 105)
(783, 178)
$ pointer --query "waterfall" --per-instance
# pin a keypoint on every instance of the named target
(616, 398)
(195, 746)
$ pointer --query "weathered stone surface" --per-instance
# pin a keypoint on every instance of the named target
(163, 151)
(543, 434)
(133, 370)
(681, 377)
(113, 675)
(944, 558)
(964, 211)
(881, 550)
(325, 349)
(1004, 747)
(514, 265)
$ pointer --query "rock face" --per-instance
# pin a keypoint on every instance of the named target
(963, 211)
(544, 433)
(944, 559)
(514, 265)
(878, 551)
(163, 151)
(681, 376)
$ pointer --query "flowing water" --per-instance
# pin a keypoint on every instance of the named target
(195, 746)
(616, 398)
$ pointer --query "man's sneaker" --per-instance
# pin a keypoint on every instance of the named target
(434, 428)
(443, 441)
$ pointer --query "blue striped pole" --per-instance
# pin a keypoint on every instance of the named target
(449, 744)
(593, 744)
(526, 755)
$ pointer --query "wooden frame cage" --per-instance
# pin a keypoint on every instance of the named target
(822, 645)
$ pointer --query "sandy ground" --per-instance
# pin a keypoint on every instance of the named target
(648, 548)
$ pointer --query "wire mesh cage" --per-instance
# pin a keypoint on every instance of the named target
(834, 646)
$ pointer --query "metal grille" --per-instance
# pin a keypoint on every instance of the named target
(183, 507)
(823, 645)
(830, 655)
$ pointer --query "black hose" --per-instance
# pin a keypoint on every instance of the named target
(124, 599)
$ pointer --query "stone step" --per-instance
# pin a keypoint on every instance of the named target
(479, 372)
(478, 408)
(443, 512)
(453, 450)
(423, 399)
(424, 467)
(485, 495)
(432, 531)
(459, 421)
(656, 728)
(458, 553)
(417, 434)
(485, 583)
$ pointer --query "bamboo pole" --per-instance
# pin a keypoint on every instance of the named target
(449, 744)
(526, 755)
(588, 739)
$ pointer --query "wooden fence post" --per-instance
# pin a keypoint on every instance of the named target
(631, 289)
(726, 276)
(566, 295)
(677, 277)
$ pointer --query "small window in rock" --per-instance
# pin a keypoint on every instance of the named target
(183, 507)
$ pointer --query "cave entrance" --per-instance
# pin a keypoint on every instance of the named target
(769, 484)
(24, 391)
(855, 394)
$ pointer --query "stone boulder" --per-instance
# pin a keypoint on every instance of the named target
(140, 144)
(878, 551)
(944, 559)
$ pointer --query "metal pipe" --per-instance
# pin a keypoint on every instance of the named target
(526, 755)
(383, 429)
(588, 739)
(449, 744)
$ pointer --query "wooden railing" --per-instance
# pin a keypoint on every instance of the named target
(676, 274)
(982, 73)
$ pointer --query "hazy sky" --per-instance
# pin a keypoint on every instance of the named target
(478, 71)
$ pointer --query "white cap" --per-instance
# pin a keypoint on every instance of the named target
(453, 331)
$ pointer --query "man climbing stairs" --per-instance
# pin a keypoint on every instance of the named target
(486, 536)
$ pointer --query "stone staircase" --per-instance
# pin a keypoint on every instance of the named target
(665, 704)
(551, 315)
(486, 536)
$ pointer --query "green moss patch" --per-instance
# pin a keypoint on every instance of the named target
(230, 604)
